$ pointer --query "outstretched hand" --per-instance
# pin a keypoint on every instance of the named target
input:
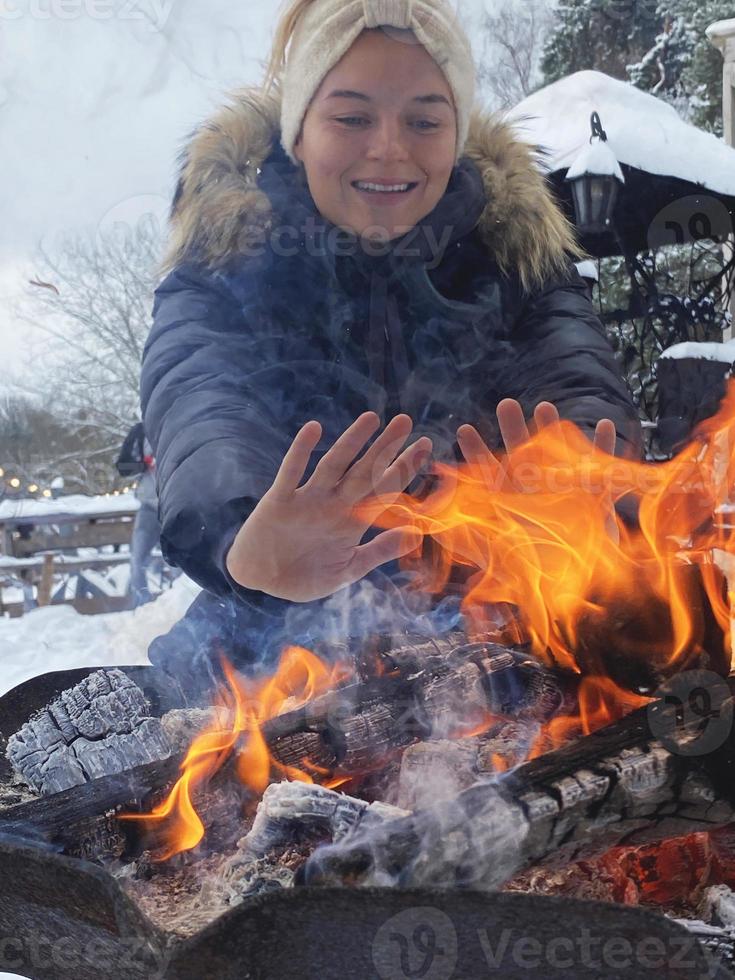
(514, 431)
(303, 542)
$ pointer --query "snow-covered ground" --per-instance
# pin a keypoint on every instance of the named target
(57, 637)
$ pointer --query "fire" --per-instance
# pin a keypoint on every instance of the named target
(621, 604)
(600, 702)
(538, 530)
(244, 706)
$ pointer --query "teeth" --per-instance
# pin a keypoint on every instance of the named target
(365, 186)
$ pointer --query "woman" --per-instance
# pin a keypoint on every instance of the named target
(356, 253)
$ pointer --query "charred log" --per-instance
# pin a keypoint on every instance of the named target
(619, 786)
(294, 812)
(437, 689)
(99, 727)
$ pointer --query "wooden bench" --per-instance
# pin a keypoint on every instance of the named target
(41, 538)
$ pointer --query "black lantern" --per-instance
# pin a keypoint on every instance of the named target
(596, 178)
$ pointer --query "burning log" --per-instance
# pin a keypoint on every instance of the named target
(296, 811)
(620, 785)
(435, 689)
(99, 727)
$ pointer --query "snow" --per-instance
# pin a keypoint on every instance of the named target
(598, 159)
(643, 131)
(74, 504)
(588, 270)
(721, 32)
(59, 638)
(704, 351)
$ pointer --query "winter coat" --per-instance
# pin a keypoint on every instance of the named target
(270, 316)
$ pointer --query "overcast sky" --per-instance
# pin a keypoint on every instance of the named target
(96, 98)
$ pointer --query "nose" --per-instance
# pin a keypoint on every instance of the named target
(388, 141)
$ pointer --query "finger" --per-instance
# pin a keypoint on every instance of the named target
(386, 547)
(476, 451)
(368, 471)
(292, 469)
(512, 424)
(545, 414)
(333, 465)
(606, 436)
(408, 465)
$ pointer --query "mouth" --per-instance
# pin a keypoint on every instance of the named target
(384, 193)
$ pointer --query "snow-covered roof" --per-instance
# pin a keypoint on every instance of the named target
(724, 353)
(74, 504)
(643, 131)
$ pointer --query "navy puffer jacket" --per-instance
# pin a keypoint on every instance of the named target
(271, 316)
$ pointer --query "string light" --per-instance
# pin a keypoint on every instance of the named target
(15, 483)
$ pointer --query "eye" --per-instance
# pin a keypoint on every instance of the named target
(353, 121)
(426, 124)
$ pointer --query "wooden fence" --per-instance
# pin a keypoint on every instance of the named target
(36, 547)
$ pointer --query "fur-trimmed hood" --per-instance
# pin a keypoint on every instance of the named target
(218, 206)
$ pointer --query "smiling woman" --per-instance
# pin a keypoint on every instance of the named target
(378, 142)
(427, 293)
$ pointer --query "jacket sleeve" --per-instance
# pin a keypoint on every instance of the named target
(216, 444)
(565, 358)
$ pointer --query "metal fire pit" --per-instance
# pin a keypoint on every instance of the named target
(61, 917)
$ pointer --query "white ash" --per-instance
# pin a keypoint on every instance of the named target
(98, 727)
(436, 771)
(293, 811)
(182, 725)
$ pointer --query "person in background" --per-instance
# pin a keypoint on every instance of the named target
(136, 459)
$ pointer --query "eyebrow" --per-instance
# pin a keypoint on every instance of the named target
(345, 93)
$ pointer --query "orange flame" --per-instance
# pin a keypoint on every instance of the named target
(600, 702)
(244, 706)
(541, 531)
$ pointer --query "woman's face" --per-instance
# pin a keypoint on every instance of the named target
(383, 115)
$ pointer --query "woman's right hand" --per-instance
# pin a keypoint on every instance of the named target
(303, 542)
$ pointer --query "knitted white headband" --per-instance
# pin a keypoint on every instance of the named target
(328, 28)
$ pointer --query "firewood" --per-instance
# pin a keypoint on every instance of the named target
(434, 689)
(99, 727)
(348, 730)
(294, 812)
(620, 785)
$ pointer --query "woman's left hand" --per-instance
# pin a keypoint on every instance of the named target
(514, 431)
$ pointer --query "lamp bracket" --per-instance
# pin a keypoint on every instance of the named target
(597, 130)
